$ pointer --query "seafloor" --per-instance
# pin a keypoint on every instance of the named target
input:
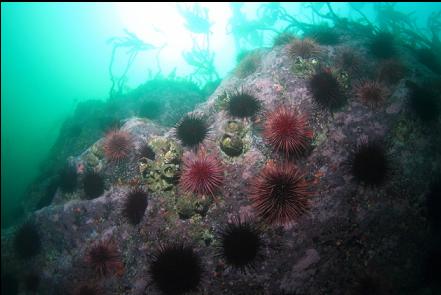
(355, 238)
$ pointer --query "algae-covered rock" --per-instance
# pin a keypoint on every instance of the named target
(161, 174)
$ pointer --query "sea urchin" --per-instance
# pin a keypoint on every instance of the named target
(93, 185)
(304, 48)
(117, 145)
(326, 90)
(191, 130)
(370, 164)
(372, 93)
(287, 131)
(279, 193)
(241, 244)
(134, 206)
(176, 269)
(202, 174)
(243, 105)
(104, 258)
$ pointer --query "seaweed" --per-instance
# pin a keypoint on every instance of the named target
(134, 46)
(201, 58)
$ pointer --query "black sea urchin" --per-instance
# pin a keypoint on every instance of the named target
(176, 269)
(326, 90)
(93, 185)
(134, 205)
(370, 164)
(279, 194)
(27, 241)
(241, 244)
(191, 130)
(243, 105)
(146, 151)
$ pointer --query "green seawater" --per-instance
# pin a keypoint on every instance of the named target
(56, 56)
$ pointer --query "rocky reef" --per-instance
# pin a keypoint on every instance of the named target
(329, 196)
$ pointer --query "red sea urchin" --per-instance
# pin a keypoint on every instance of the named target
(280, 193)
(202, 174)
(287, 131)
(117, 145)
(104, 258)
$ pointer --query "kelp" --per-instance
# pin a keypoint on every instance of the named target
(201, 58)
(134, 45)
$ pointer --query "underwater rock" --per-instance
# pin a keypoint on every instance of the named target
(162, 173)
(346, 226)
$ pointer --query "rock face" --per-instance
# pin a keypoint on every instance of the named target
(354, 238)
